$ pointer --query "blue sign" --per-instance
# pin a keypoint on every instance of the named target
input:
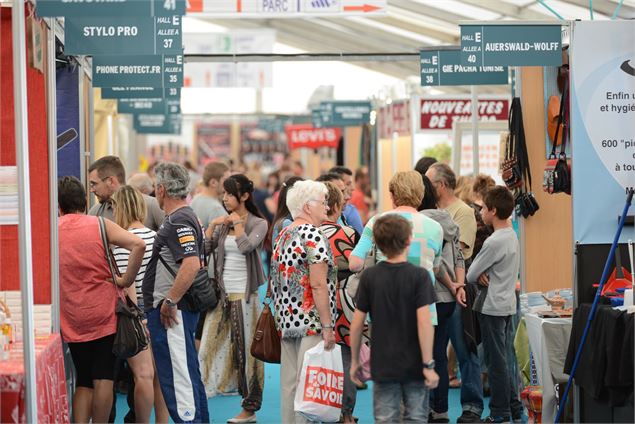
(443, 67)
(140, 93)
(53, 8)
(511, 45)
(157, 124)
(123, 35)
(138, 71)
(341, 114)
(149, 106)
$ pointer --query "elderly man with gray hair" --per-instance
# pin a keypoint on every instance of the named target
(142, 182)
(178, 249)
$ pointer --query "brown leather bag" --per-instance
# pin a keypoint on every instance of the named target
(265, 345)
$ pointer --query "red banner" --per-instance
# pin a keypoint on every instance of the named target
(305, 135)
(440, 114)
(394, 117)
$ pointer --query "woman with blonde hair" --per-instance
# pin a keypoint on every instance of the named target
(406, 192)
(130, 211)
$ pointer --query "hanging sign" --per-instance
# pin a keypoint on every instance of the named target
(306, 135)
(441, 113)
(602, 111)
(394, 118)
(341, 114)
(142, 71)
(157, 124)
(149, 106)
(140, 93)
(443, 67)
(123, 35)
(54, 8)
(258, 9)
(511, 45)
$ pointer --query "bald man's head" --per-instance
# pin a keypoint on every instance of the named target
(142, 182)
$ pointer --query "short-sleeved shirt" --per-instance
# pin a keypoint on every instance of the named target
(121, 256)
(153, 220)
(179, 237)
(463, 216)
(295, 249)
(207, 209)
(391, 294)
(425, 248)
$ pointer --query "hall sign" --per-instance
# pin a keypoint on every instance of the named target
(441, 113)
(306, 135)
(341, 114)
(444, 67)
(511, 45)
(53, 8)
(149, 106)
(123, 35)
(140, 93)
(140, 71)
(157, 124)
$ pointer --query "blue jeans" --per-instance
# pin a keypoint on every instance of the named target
(439, 396)
(497, 333)
(177, 367)
(388, 397)
(469, 364)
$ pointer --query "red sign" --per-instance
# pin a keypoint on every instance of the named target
(305, 135)
(324, 386)
(440, 114)
(394, 118)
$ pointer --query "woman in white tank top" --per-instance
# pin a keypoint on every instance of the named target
(227, 366)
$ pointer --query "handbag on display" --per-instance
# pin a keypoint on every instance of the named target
(526, 204)
(131, 337)
(266, 343)
(203, 294)
(510, 169)
(557, 174)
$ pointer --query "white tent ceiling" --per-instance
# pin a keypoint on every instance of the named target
(411, 25)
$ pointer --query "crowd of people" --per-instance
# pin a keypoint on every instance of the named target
(434, 277)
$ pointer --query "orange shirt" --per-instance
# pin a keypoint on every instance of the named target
(358, 199)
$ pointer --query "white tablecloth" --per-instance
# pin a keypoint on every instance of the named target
(549, 342)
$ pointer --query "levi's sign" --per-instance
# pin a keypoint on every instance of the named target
(511, 45)
(123, 35)
(141, 71)
(443, 67)
(50, 8)
(140, 92)
(306, 135)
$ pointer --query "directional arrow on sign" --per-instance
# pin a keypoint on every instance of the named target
(363, 8)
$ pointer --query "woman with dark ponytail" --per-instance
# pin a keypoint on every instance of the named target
(226, 364)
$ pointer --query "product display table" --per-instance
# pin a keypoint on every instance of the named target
(549, 342)
(52, 399)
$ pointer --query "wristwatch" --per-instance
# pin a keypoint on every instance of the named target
(170, 302)
(429, 365)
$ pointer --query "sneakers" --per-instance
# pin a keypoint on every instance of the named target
(469, 417)
(496, 419)
(438, 417)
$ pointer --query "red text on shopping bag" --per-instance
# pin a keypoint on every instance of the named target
(324, 386)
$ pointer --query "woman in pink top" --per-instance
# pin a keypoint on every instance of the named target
(88, 297)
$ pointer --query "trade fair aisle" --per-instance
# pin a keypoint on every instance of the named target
(223, 407)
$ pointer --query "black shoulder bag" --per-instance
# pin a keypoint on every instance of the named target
(204, 292)
(557, 175)
(526, 204)
(131, 337)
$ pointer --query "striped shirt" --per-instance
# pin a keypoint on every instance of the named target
(121, 256)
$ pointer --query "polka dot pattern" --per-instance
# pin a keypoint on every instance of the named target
(296, 249)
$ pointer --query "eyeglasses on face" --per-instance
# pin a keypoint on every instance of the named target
(93, 184)
(323, 202)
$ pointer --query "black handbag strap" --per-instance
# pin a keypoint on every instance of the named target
(561, 122)
(112, 265)
(517, 131)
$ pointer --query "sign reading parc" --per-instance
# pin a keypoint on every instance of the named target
(51, 8)
(123, 35)
(441, 113)
(306, 135)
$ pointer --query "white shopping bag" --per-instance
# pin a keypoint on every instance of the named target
(321, 386)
